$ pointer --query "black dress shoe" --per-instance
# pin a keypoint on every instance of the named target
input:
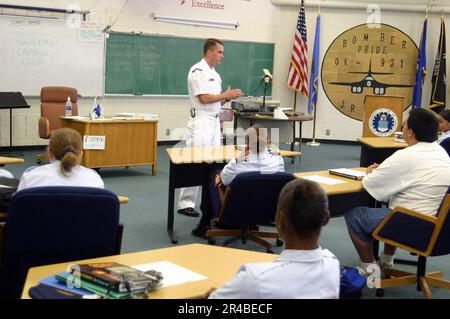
(191, 212)
(200, 230)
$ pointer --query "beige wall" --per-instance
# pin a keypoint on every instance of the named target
(260, 21)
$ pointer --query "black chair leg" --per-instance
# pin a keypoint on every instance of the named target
(376, 248)
(119, 239)
(421, 268)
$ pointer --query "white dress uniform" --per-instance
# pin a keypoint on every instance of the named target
(5, 173)
(204, 127)
(51, 175)
(266, 163)
(295, 274)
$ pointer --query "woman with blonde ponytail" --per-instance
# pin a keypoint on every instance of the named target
(64, 153)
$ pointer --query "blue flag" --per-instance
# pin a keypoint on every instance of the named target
(421, 68)
(314, 79)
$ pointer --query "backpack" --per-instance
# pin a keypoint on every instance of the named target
(351, 283)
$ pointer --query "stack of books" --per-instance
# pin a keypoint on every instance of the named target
(100, 280)
(348, 173)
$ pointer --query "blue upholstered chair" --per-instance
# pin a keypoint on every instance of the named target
(420, 234)
(47, 225)
(250, 200)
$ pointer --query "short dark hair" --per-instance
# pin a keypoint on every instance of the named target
(445, 114)
(424, 124)
(210, 44)
(305, 206)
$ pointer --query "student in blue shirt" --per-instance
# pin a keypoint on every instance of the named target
(303, 270)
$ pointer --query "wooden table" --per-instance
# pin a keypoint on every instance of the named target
(218, 264)
(128, 142)
(377, 149)
(10, 160)
(188, 166)
(342, 197)
(123, 199)
(292, 119)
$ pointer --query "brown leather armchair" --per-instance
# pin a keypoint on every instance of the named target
(53, 105)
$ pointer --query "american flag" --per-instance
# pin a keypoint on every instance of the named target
(298, 74)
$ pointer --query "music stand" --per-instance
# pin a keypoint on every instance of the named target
(12, 100)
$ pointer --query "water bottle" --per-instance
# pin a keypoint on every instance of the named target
(68, 107)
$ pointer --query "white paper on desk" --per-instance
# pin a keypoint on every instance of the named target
(279, 114)
(172, 273)
(323, 180)
(75, 117)
(124, 118)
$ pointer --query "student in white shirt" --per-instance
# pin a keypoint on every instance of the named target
(254, 158)
(444, 127)
(303, 270)
(65, 153)
(416, 178)
(5, 173)
(205, 87)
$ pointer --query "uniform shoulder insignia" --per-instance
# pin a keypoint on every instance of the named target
(197, 69)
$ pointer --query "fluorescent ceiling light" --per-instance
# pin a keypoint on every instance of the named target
(196, 22)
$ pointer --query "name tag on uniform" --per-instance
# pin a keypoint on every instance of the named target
(94, 142)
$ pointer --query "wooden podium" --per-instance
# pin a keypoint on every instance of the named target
(383, 115)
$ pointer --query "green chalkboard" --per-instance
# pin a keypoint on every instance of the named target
(151, 64)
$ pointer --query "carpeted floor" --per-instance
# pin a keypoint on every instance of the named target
(144, 217)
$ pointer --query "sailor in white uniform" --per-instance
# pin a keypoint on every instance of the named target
(5, 173)
(64, 152)
(205, 87)
(303, 270)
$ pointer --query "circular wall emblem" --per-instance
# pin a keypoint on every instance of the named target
(366, 60)
(383, 122)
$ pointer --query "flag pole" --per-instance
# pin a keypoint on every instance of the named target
(312, 101)
(295, 100)
(313, 142)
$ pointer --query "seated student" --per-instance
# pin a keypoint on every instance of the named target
(5, 173)
(444, 127)
(255, 157)
(303, 269)
(64, 152)
(416, 178)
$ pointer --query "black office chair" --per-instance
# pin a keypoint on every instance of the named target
(250, 200)
(422, 234)
(47, 225)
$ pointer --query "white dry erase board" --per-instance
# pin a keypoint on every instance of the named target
(36, 52)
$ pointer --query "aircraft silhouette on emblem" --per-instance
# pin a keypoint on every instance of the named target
(369, 81)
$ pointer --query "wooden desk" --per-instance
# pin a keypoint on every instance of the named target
(342, 197)
(123, 199)
(128, 142)
(252, 117)
(207, 260)
(188, 166)
(10, 160)
(377, 149)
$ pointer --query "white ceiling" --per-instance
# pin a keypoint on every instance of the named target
(406, 2)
